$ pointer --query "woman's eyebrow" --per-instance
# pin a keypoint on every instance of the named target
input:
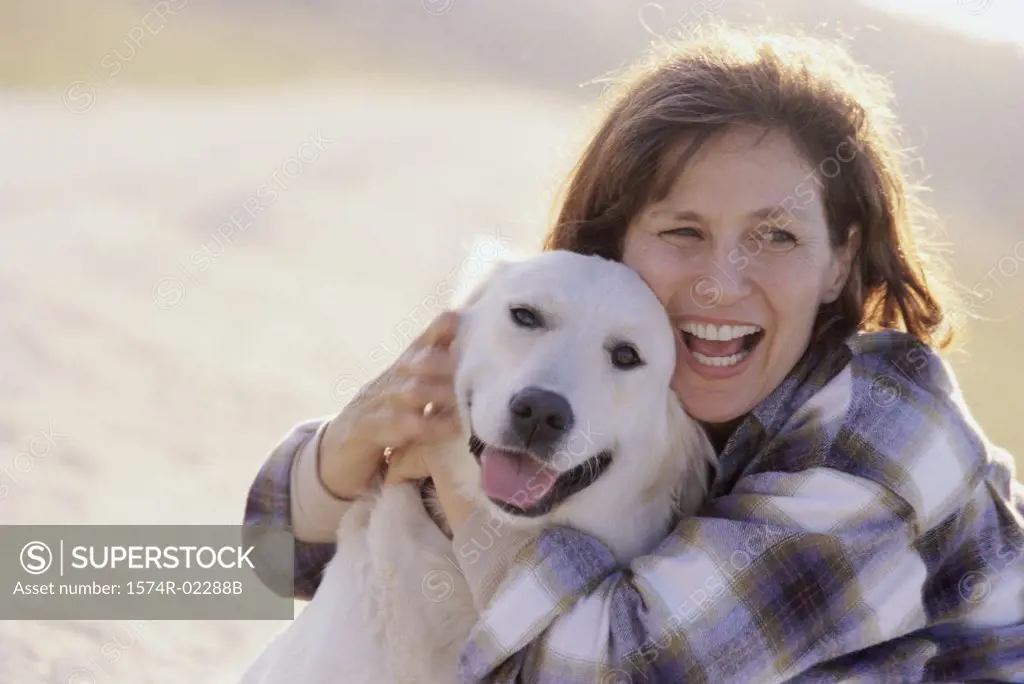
(795, 212)
(683, 215)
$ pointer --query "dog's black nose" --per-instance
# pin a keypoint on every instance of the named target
(540, 418)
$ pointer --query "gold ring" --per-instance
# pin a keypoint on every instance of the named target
(388, 451)
(428, 410)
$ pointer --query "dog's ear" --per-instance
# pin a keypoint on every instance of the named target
(691, 443)
(470, 289)
(486, 257)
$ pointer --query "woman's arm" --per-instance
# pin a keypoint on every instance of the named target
(323, 464)
(287, 491)
(834, 542)
(759, 588)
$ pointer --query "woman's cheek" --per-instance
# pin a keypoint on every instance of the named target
(666, 271)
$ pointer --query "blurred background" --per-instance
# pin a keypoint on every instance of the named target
(219, 217)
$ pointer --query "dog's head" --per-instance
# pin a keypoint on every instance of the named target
(563, 388)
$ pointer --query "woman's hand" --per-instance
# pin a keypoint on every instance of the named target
(409, 465)
(389, 413)
(457, 508)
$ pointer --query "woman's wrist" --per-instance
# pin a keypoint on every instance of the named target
(315, 511)
(346, 461)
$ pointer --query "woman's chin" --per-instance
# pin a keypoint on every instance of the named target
(709, 406)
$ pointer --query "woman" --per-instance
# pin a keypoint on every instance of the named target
(859, 524)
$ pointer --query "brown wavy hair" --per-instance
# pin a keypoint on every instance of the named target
(837, 113)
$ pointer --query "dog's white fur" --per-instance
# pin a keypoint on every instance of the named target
(392, 606)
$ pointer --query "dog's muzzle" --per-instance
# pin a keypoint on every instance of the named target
(539, 420)
(521, 474)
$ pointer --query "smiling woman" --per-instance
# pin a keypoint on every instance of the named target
(755, 183)
(771, 269)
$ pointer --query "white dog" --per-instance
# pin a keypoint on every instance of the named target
(563, 390)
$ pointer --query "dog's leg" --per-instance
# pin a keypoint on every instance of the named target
(339, 635)
(392, 605)
(430, 608)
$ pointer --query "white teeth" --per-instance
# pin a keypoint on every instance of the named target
(719, 333)
(720, 361)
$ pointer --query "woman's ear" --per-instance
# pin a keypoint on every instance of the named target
(843, 260)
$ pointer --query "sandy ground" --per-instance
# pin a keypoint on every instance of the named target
(165, 353)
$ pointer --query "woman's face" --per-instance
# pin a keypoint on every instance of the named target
(739, 255)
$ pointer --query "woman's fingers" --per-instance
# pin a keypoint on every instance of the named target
(432, 362)
(441, 331)
(415, 393)
(389, 411)
(445, 426)
(406, 465)
(391, 407)
(403, 428)
(429, 352)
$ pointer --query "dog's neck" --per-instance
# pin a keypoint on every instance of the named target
(640, 520)
(634, 526)
(634, 530)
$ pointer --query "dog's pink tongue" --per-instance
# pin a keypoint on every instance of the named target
(515, 479)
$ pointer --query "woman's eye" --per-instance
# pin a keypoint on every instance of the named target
(625, 356)
(682, 232)
(524, 317)
(777, 239)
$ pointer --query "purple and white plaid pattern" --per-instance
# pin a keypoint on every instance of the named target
(269, 503)
(860, 528)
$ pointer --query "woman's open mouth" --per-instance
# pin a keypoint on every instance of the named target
(720, 346)
(522, 484)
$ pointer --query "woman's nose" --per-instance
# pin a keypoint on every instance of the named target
(723, 281)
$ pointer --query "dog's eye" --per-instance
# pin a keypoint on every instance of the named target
(524, 317)
(625, 356)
